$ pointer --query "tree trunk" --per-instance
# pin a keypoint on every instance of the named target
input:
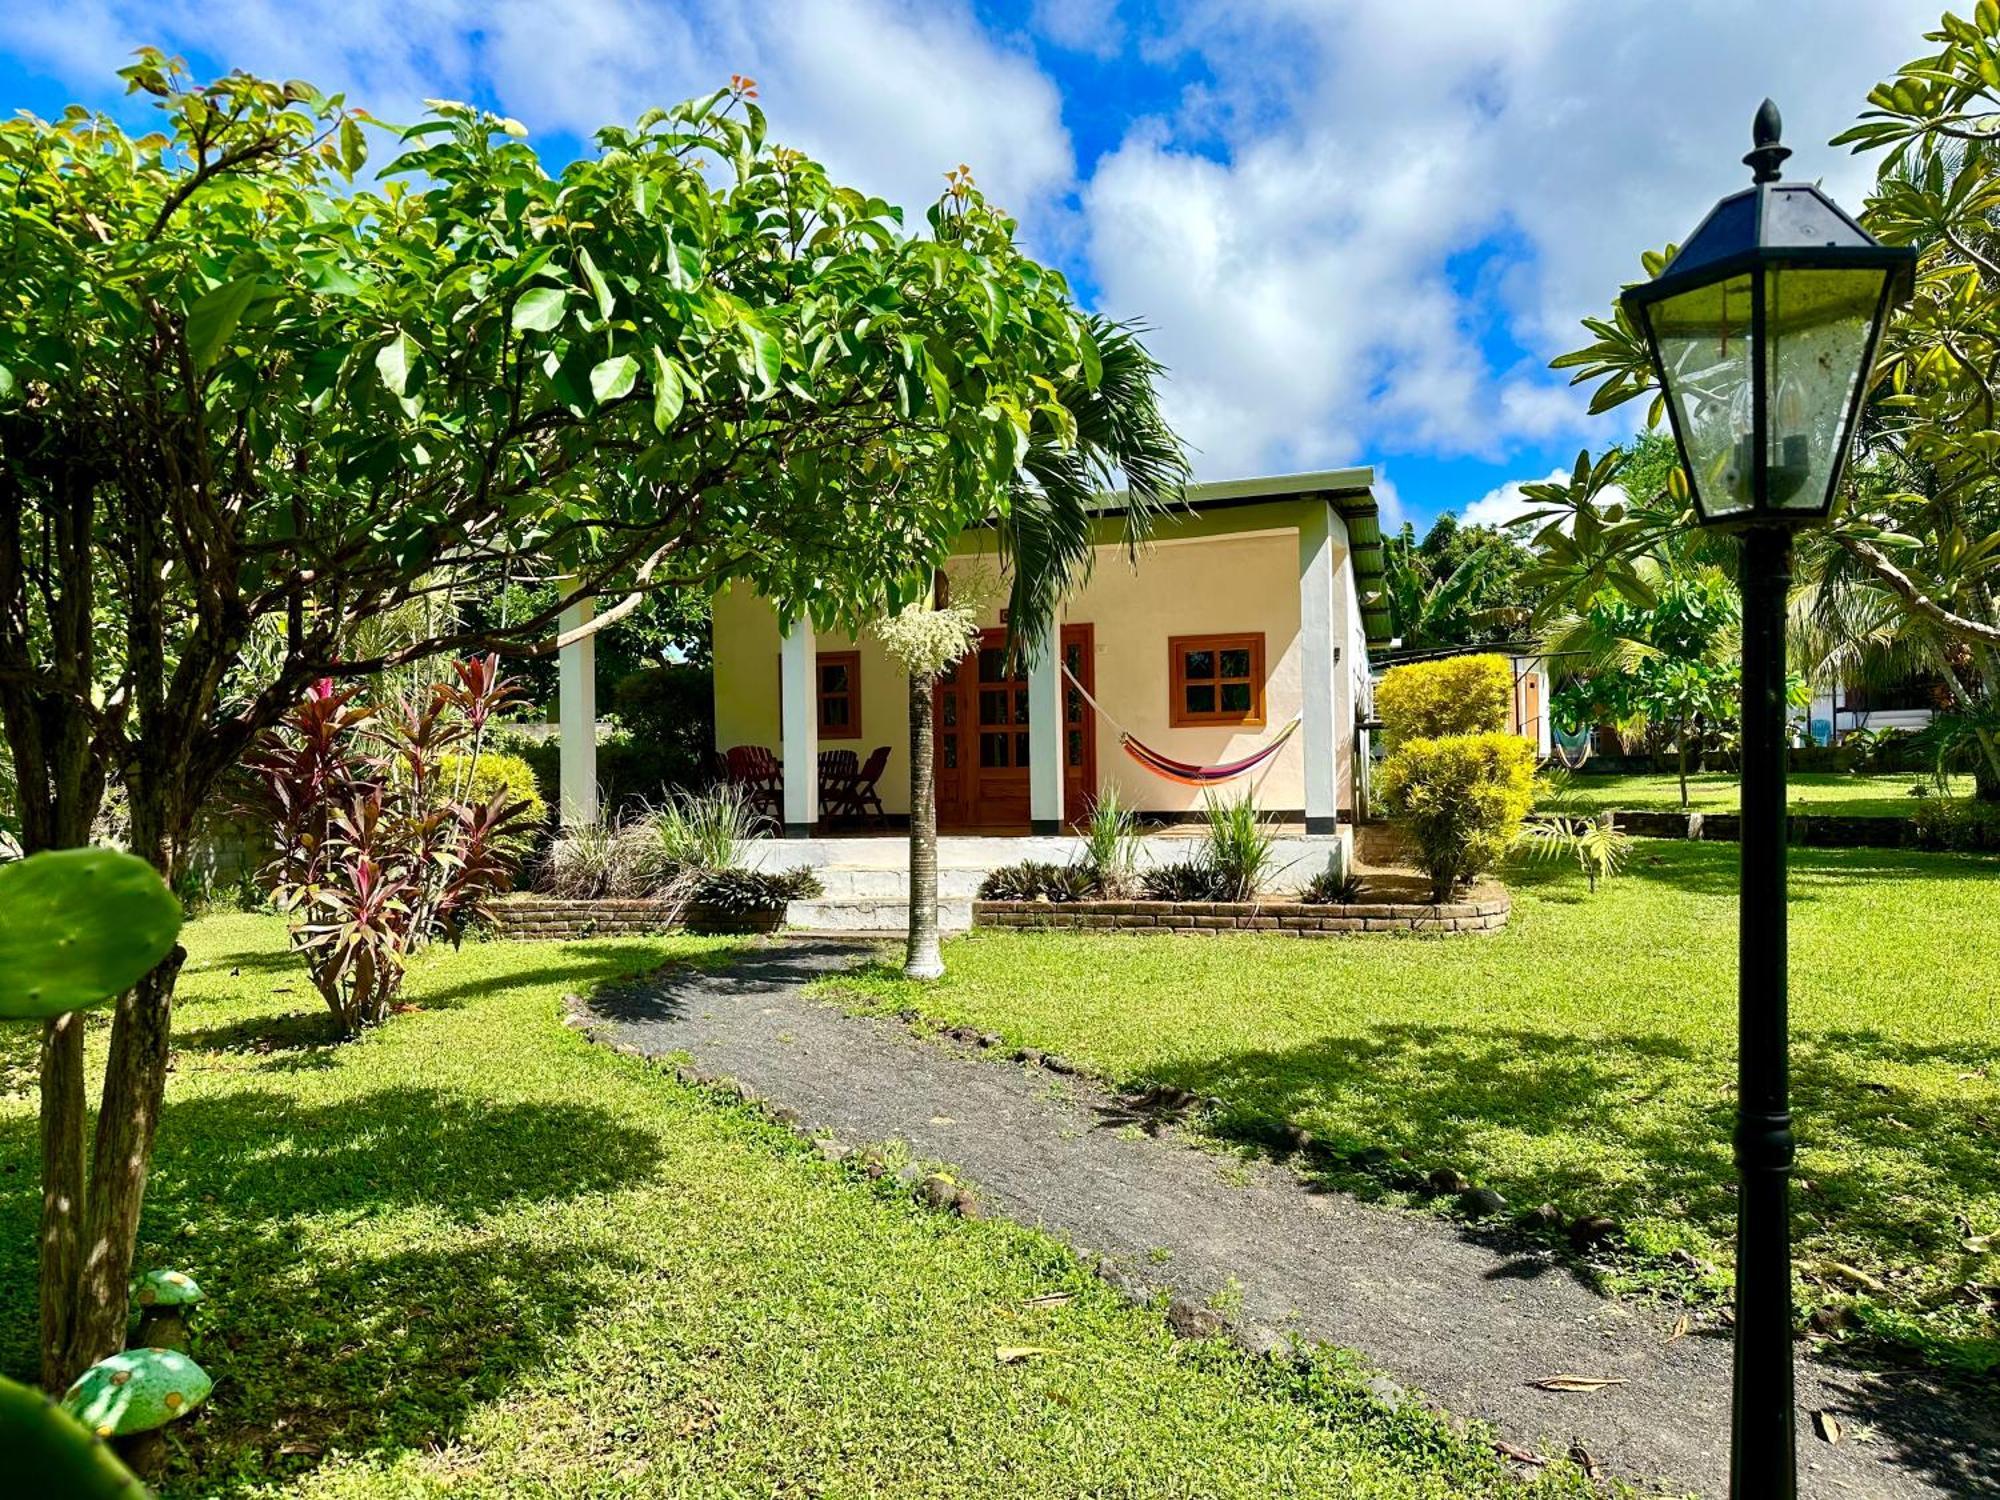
(89, 1307)
(924, 959)
(1681, 749)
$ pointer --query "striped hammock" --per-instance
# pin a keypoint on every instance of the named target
(1184, 772)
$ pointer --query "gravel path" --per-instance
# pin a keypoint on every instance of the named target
(1467, 1325)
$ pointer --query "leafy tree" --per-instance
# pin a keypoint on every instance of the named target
(1916, 535)
(250, 405)
(1672, 666)
(1460, 586)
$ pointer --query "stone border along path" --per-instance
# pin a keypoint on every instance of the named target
(1468, 1325)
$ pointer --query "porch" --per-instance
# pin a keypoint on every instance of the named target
(867, 877)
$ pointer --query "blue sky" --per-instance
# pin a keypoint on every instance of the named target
(1359, 229)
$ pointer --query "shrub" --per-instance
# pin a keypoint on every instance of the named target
(376, 846)
(494, 774)
(1462, 798)
(1111, 842)
(601, 860)
(733, 892)
(1336, 885)
(1432, 699)
(1042, 880)
(1186, 880)
(1238, 846)
(1957, 823)
(698, 830)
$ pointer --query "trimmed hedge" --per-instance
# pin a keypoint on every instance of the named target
(1462, 798)
(1432, 699)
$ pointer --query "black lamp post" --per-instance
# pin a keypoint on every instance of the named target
(1763, 332)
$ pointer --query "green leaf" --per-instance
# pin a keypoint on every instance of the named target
(394, 362)
(614, 377)
(353, 146)
(539, 309)
(766, 355)
(598, 285)
(212, 320)
(668, 393)
(79, 927)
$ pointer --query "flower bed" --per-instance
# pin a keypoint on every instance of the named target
(1485, 910)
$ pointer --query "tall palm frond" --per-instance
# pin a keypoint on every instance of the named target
(1047, 534)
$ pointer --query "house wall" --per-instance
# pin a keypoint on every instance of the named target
(1219, 572)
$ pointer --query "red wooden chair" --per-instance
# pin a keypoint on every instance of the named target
(836, 781)
(760, 777)
(863, 798)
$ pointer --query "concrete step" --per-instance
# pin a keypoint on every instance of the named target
(871, 914)
(843, 881)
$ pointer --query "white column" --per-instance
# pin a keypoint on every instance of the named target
(797, 667)
(1045, 736)
(576, 717)
(1318, 669)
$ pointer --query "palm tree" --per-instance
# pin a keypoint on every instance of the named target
(1047, 539)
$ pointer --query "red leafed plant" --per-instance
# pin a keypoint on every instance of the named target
(378, 846)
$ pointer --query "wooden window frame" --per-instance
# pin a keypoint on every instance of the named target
(1179, 716)
(851, 730)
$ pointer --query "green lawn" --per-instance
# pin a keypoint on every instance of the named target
(1586, 1057)
(1834, 793)
(474, 1255)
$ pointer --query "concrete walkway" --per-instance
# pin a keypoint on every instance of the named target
(1468, 1326)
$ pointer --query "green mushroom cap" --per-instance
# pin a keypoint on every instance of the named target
(137, 1391)
(166, 1289)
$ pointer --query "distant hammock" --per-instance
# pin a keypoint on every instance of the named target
(1169, 769)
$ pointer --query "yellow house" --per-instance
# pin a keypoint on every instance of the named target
(1252, 611)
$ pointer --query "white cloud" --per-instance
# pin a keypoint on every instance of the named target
(1304, 286)
(1296, 229)
(1506, 503)
(1092, 26)
(890, 93)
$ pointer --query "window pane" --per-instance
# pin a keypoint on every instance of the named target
(1235, 662)
(1236, 697)
(992, 707)
(1020, 749)
(993, 750)
(1816, 330)
(991, 661)
(1200, 699)
(833, 677)
(950, 748)
(951, 710)
(1198, 664)
(1020, 705)
(1074, 747)
(833, 713)
(1704, 339)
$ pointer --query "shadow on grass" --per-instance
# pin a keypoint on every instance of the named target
(1632, 1126)
(378, 1354)
(247, 1162)
(316, 1353)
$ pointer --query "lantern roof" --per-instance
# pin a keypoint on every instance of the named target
(1774, 223)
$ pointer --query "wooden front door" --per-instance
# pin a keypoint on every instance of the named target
(983, 738)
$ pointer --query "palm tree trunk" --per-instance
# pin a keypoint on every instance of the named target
(924, 959)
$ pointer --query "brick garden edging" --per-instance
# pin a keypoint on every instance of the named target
(1487, 913)
(552, 917)
(549, 918)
